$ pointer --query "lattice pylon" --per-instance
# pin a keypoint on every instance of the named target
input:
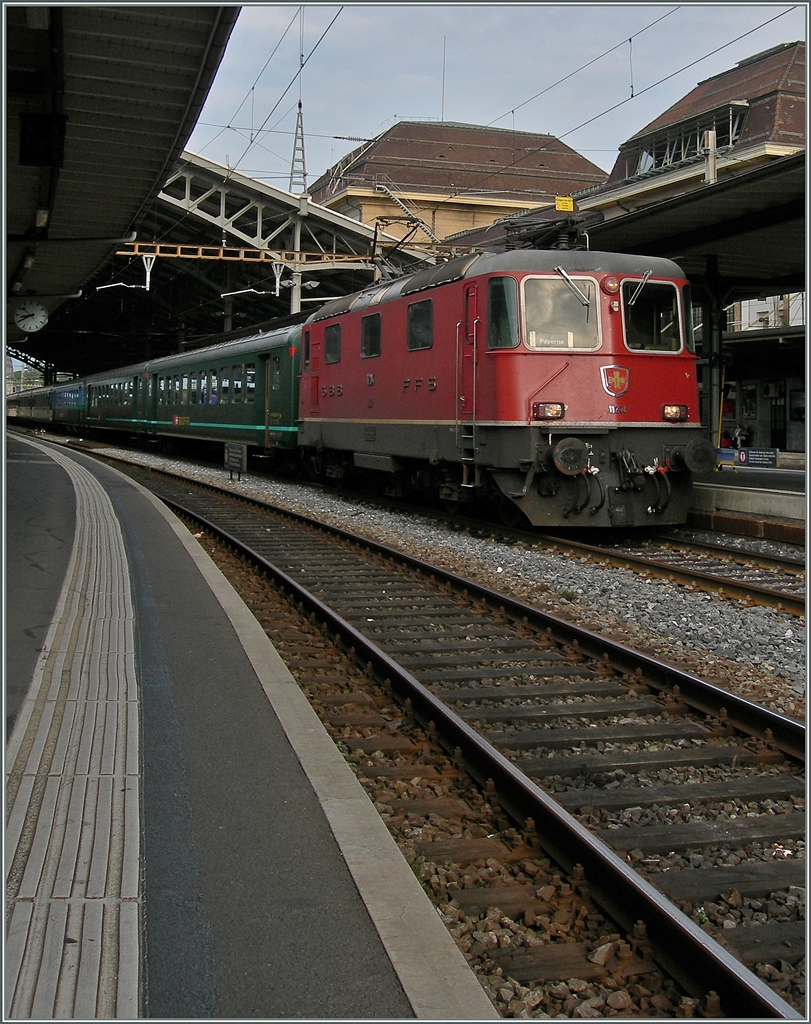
(298, 167)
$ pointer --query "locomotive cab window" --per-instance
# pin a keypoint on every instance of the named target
(561, 314)
(420, 325)
(651, 314)
(502, 325)
(370, 333)
(332, 343)
(689, 325)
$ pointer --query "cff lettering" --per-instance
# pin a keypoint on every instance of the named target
(418, 383)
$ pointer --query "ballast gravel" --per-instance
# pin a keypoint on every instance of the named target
(757, 653)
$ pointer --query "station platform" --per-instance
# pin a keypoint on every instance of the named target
(768, 504)
(183, 839)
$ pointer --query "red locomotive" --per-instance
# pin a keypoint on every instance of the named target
(560, 385)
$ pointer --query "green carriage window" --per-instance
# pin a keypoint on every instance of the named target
(250, 382)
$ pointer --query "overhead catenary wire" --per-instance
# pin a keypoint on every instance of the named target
(251, 90)
(290, 85)
(616, 106)
(582, 67)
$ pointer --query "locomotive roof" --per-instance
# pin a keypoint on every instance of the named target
(517, 260)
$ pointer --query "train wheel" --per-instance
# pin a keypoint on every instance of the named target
(510, 514)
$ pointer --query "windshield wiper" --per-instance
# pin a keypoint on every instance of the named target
(639, 287)
(583, 298)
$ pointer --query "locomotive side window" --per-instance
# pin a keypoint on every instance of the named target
(332, 343)
(370, 332)
(689, 326)
(502, 295)
(560, 317)
(651, 316)
(420, 325)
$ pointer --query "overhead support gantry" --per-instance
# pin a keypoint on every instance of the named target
(271, 226)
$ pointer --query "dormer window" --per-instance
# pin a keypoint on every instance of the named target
(684, 142)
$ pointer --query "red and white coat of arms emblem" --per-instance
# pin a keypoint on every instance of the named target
(615, 380)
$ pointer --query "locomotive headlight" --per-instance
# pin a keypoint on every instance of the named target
(674, 413)
(548, 410)
(610, 285)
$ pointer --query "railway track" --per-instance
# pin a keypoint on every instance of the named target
(656, 790)
(773, 581)
(728, 572)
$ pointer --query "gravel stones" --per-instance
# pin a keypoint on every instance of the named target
(756, 652)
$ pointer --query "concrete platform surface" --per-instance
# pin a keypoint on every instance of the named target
(184, 840)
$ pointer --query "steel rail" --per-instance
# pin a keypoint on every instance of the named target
(706, 580)
(735, 554)
(786, 734)
(695, 960)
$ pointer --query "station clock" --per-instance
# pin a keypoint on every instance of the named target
(30, 315)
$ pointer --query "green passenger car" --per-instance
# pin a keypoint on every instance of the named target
(242, 391)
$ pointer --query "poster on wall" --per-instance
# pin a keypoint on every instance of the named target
(749, 401)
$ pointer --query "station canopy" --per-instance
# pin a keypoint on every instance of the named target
(100, 103)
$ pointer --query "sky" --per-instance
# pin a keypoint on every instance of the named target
(592, 75)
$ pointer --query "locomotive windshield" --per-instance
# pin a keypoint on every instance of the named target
(651, 316)
(559, 316)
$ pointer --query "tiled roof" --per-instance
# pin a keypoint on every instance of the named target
(780, 70)
(771, 87)
(450, 159)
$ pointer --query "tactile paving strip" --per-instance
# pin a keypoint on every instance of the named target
(73, 910)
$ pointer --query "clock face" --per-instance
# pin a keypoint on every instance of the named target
(30, 315)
